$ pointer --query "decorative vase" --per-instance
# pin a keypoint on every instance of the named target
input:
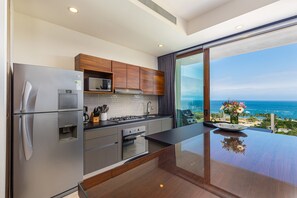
(103, 116)
(234, 119)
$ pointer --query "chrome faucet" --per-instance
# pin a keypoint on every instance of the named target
(148, 107)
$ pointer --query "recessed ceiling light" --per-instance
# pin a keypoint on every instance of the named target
(72, 9)
(239, 27)
(160, 45)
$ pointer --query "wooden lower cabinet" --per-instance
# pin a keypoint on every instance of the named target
(102, 147)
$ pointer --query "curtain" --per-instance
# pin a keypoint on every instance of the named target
(167, 102)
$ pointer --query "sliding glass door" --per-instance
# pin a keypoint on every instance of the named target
(191, 87)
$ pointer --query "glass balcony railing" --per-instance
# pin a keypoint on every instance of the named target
(285, 126)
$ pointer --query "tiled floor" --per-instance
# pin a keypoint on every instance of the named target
(73, 195)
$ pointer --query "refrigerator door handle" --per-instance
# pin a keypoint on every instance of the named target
(26, 137)
(26, 95)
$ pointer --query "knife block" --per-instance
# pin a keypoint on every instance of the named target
(94, 119)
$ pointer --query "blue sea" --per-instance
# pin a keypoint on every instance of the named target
(283, 109)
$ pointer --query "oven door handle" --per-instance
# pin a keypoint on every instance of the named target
(139, 134)
(129, 137)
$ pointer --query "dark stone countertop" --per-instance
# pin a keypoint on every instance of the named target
(178, 135)
(101, 124)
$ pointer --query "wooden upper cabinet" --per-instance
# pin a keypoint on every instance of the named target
(147, 80)
(133, 77)
(125, 75)
(119, 74)
(92, 63)
(152, 82)
(159, 83)
(122, 75)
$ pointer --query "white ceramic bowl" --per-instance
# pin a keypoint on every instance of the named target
(230, 127)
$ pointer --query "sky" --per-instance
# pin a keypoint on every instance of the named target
(269, 74)
(191, 81)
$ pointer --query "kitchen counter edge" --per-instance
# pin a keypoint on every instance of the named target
(103, 124)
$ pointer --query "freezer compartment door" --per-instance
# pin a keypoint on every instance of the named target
(46, 89)
(55, 163)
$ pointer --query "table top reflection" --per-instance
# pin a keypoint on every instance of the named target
(244, 164)
(213, 164)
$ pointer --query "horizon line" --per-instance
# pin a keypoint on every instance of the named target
(246, 100)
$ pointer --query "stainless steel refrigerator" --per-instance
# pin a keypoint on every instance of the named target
(47, 131)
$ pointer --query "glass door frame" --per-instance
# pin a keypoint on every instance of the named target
(206, 77)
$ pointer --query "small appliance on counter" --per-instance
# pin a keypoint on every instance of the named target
(97, 84)
(86, 117)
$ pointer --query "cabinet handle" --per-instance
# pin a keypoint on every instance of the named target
(115, 142)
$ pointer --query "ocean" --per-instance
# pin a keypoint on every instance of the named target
(283, 109)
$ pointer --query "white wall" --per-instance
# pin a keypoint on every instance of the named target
(3, 70)
(42, 43)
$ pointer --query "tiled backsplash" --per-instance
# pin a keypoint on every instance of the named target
(121, 105)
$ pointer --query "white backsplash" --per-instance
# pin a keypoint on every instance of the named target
(121, 105)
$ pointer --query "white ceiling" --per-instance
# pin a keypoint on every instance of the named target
(273, 39)
(129, 23)
(189, 9)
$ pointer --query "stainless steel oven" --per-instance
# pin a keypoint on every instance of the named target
(133, 142)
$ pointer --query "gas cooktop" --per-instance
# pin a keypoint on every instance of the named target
(126, 119)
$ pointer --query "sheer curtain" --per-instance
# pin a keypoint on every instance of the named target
(167, 102)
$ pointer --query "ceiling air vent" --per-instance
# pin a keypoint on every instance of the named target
(155, 7)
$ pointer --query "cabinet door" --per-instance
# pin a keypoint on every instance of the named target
(102, 147)
(167, 124)
(98, 158)
(159, 83)
(119, 74)
(147, 80)
(92, 63)
(154, 126)
(132, 77)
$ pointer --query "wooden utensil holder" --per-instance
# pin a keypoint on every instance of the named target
(94, 119)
